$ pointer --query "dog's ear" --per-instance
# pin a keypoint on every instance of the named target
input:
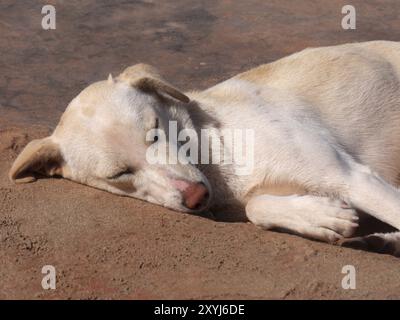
(40, 156)
(147, 78)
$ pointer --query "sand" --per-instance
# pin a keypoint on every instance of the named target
(105, 246)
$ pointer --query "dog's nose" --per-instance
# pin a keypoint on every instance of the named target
(195, 196)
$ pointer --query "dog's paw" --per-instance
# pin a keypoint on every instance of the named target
(329, 220)
(310, 216)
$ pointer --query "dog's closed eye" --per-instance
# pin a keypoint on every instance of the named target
(154, 136)
(156, 126)
(121, 174)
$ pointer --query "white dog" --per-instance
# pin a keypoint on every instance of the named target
(326, 127)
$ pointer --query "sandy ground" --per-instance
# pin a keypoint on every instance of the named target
(104, 246)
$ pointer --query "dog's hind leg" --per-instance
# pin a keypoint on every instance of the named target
(313, 217)
(366, 191)
(388, 243)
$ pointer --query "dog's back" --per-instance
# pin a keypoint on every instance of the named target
(355, 91)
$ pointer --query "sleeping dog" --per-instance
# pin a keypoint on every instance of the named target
(326, 129)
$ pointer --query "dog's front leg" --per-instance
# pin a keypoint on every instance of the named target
(314, 217)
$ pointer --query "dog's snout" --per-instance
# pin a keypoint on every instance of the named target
(195, 196)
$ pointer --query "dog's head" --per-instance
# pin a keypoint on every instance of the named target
(102, 141)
